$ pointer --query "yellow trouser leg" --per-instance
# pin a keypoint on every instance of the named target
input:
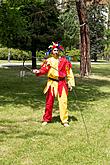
(63, 107)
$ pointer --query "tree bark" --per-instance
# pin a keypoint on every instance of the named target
(34, 59)
(85, 62)
(33, 53)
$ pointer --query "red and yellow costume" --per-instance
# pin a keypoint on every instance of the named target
(59, 72)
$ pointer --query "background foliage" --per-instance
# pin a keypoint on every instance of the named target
(33, 24)
(96, 19)
(29, 25)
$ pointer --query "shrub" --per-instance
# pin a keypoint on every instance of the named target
(15, 54)
(73, 54)
(3, 53)
(40, 54)
(107, 53)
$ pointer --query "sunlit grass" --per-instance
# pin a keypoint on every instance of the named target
(25, 142)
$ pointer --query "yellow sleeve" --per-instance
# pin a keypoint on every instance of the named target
(70, 77)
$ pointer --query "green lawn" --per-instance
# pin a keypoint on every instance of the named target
(23, 141)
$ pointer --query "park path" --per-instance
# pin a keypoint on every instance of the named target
(10, 64)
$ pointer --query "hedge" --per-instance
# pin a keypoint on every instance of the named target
(16, 54)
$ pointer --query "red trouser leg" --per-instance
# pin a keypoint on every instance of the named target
(49, 106)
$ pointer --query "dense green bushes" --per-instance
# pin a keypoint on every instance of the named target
(16, 54)
(3, 53)
(107, 53)
(74, 54)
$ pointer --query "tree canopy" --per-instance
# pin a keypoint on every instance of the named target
(69, 21)
(96, 21)
(30, 25)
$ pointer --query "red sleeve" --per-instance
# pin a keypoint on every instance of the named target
(44, 69)
(69, 64)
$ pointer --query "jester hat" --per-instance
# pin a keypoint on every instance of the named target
(53, 46)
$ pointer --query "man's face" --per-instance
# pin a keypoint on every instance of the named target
(55, 51)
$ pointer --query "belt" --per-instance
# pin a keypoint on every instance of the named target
(59, 79)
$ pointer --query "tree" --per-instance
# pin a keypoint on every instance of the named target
(107, 34)
(32, 25)
(96, 17)
(85, 65)
(69, 21)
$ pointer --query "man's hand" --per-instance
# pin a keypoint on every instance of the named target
(36, 71)
(70, 88)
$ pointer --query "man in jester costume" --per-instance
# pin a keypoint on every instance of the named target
(60, 79)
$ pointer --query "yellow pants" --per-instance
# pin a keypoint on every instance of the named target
(63, 107)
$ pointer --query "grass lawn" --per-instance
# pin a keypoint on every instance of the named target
(23, 141)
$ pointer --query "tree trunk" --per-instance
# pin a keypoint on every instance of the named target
(33, 53)
(33, 59)
(85, 63)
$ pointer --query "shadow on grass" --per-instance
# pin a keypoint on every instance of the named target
(14, 129)
(29, 92)
(17, 91)
(10, 129)
(36, 133)
(56, 119)
(101, 70)
(86, 92)
(14, 133)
